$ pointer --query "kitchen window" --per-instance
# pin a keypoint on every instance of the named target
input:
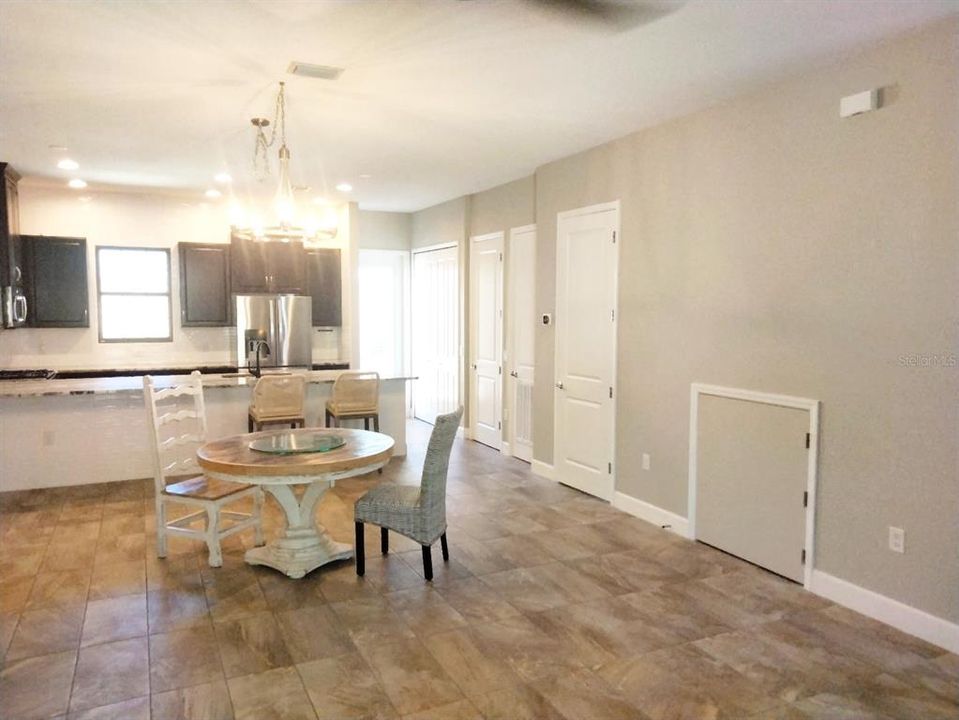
(133, 294)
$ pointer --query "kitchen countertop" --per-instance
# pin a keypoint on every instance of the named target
(134, 384)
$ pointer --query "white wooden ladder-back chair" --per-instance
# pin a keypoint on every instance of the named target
(179, 479)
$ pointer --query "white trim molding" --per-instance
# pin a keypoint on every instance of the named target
(651, 514)
(903, 617)
(505, 449)
(812, 406)
(544, 470)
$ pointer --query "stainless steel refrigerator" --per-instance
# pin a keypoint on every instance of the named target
(274, 331)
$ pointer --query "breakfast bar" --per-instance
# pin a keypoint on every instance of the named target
(90, 430)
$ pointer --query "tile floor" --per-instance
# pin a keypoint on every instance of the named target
(554, 606)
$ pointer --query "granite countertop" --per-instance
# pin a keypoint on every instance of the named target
(134, 384)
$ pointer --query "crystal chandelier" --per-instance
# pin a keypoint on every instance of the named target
(287, 222)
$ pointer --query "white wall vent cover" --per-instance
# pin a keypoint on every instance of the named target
(323, 72)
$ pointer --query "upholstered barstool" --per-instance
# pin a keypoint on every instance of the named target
(277, 399)
(418, 512)
(355, 397)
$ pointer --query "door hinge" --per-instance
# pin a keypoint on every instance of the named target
(610, 468)
(500, 369)
(614, 236)
(611, 391)
(807, 441)
(499, 425)
(501, 257)
(804, 556)
(805, 498)
(612, 315)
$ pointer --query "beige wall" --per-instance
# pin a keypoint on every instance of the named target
(384, 230)
(503, 207)
(440, 224)
(769, 245)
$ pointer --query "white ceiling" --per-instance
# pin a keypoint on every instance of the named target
(439, 98)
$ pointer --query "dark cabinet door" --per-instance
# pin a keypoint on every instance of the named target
(325, 287)
(248, 271)
(286, 267)
(204, 284)
(56, 280)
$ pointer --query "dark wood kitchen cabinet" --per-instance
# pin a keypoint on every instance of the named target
(268, 267)
(56, 281)
(205, 285)
(325, 286)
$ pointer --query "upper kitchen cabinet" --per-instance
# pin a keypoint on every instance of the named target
(326, 286)
(56, 281)
(204, 285)
(268, 267)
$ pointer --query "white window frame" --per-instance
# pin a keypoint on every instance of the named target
(168, 294)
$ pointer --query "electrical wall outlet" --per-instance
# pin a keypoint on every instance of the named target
(897, 539)
(645, 461)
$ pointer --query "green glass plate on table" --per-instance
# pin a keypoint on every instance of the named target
(293, 443)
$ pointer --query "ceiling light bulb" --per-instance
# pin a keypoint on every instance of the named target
(68, 164)
(77, 184)
(213, 193)
(222, 178)
(344, 187)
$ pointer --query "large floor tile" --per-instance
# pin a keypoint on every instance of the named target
(109, 673)
(272, 695)
(343, 688)
(37, 687)
(252, 643)
(114, 619)
(183, 658)
(208, 701)
(411, 677)
(46, 630)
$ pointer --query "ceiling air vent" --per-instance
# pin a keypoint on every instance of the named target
(323, 72)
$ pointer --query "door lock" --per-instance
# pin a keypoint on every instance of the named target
(559, 385)
(513, 373)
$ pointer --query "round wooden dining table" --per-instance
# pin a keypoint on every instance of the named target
(304, 545)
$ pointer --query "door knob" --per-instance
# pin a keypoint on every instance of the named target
(559, 385)
(513, 373)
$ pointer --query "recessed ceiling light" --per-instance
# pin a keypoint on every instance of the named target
(213, 193)
(365, 176)
(223, 178)
(68, 164)
(77, 184)
(344, 187)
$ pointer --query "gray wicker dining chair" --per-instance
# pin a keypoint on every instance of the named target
(418, 512)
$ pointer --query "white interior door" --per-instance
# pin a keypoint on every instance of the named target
(751, 466)
(436, 332)
(486, 338)
(586, 272)
(521, 320)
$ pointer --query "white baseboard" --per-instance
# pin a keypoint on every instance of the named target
(461, 433)
(903, 617)
(504, 448)
(542, 469)
(651, 513)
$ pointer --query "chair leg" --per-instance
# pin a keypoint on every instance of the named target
(384, 540)
(376, 422)
(249, 423)
(366, 423)
(427, 563)
(359, 551)
(161, 528)
(213, 536)
(258, 514)
(446, 548)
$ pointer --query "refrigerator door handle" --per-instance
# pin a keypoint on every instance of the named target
(21, 302)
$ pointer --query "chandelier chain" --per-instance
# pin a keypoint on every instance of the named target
(261, 159)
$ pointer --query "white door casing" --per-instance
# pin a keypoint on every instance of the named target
(521, 327)
(435, 331)
(486, 338)
(587, 243)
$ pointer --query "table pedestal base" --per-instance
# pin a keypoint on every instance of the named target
(304, 545)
